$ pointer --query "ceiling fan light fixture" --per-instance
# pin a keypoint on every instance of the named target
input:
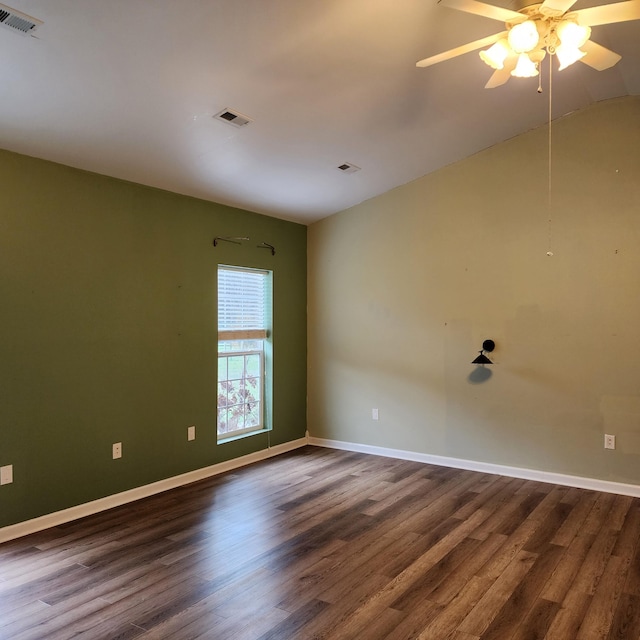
(525, 67)
(568, 55)
(535, 30)
(524, 37)
(496, 55)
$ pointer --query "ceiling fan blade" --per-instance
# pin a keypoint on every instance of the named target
(483, 9)
(458, 51)
(556, 7)
(598, 57)
(502, 76)
(609, 13)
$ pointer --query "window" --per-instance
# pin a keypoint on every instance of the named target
(244, 318)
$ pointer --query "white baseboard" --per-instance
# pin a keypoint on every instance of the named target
(485, 467)
(80, 511)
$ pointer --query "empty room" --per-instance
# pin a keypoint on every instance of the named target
(320, 320)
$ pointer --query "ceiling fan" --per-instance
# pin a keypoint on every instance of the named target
(537, 30)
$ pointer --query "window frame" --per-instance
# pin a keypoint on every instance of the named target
(265, 351)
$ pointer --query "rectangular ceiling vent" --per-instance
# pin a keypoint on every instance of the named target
(18, 22)
(233, 117)
(347, 167)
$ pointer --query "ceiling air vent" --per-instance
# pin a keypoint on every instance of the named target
(233, 117)
(18, 22)
(347, 167)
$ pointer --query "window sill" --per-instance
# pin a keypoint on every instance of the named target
(225, 439)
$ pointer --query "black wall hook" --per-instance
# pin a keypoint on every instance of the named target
(266, 245)
(234, 240)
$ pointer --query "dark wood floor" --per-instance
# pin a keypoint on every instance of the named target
(328, 544)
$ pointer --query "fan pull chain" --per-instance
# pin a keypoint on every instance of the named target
(549, 203)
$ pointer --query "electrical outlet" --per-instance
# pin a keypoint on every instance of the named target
(117, 450)
(375, 414)
(6, 474)
(609, 441)
(191, 432)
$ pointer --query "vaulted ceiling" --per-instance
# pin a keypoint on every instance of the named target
(129, 88)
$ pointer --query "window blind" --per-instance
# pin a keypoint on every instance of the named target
(241, 301)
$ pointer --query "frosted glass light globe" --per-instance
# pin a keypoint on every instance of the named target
(525, 68)
(572, 34)
(496, 55)
(568, 55)
(523, 37)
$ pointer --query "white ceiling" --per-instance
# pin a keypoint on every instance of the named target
(128, 88)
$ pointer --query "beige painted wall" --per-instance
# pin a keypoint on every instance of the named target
(404, 288)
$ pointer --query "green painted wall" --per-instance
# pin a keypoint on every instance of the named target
(107, 333)
(404, 288)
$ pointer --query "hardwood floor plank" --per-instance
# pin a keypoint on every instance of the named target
(414, 622)
(626, 621)
(201, 620)
(55, 622)
(416, 547)
(424, 516)
(548, 528)
(353, 595)
(599, 616)
(596, 560)
(27, 611)
(385, 623)
(501, 505)
(249, 628)
(488, 495)
(450, 588)
(482, 615)
(355, 567)
(324, 568)
(563, 577)
(522, 511)
(524, 597)
(42, 587)
(619, 511)
(537, 622)
(426, 583)
(629, 535)
(514, 543)
(456, 610)
(553, 501)
(599, 512)
(387, 494)
(292, 624)
(632, 586)
(575, 520)
(569, 617)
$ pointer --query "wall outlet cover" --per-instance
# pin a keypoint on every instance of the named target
(6, 474)
(191, 433)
